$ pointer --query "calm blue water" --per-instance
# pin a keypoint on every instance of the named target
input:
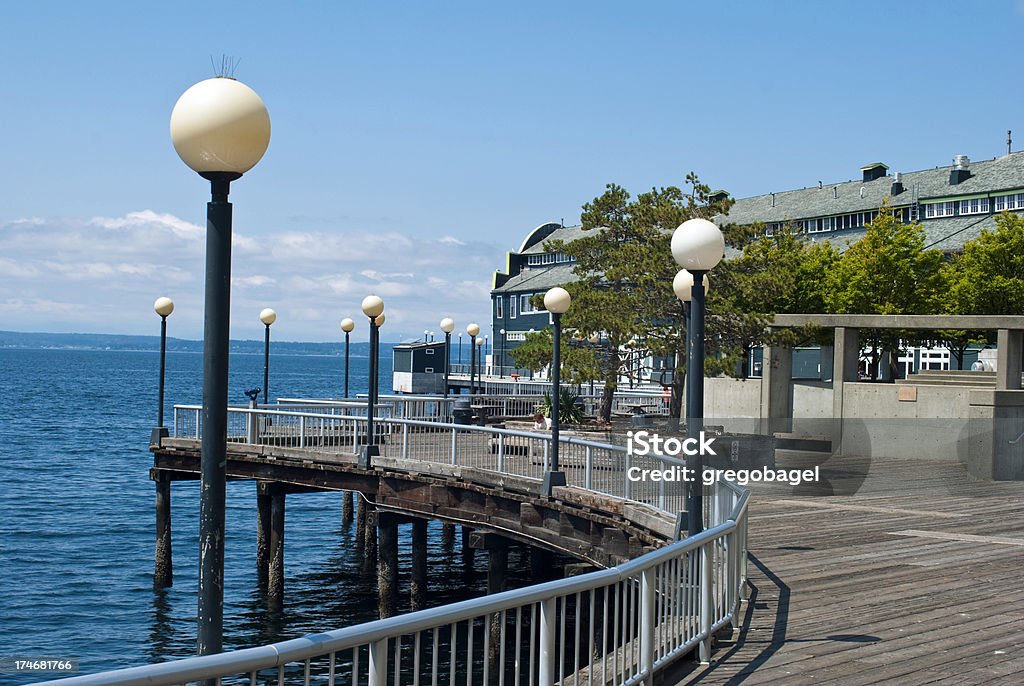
(77, 516)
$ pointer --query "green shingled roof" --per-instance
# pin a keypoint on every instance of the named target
(988, 176)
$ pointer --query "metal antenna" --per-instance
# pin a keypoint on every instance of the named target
(1009, 141)
(213, 66)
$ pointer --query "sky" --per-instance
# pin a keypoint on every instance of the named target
(414, 144)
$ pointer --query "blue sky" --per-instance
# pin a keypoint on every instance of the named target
(414, 143)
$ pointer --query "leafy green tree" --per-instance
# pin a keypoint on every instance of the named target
(986, 277)
(625, 268)
(888, 271)
(581, 362)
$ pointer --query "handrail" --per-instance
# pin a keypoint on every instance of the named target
(648, 611)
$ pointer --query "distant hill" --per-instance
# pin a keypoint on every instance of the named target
(100, 341)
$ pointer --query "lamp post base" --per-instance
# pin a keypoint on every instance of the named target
(366, 456)
(157, 435)
(552, 480)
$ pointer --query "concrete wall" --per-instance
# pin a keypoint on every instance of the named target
(930, 422)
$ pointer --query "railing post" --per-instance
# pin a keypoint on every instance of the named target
(199, 427)
(647, 620)
(705, 602)
(588, 462)
(302, 432)
(627, 488)
(547, 643)
(378, 663)
(454, 449)
(405, 441)
(501, 452)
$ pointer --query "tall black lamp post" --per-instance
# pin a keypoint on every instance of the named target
(268, 317)
(682, 285)
(480, 364)
(472, 329)
(163, 307)
(447, 325)
(347, 325)
(556, 301)
(373, 308)
(697, 245)
(220, 128)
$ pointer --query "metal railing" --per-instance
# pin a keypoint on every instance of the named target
(615, 626)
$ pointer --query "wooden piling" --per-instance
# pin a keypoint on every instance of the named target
(418, 583)
(163, 571)
(387, 564)
(361, 507)
(448, 536)
(275, 585)
(370, 545)
(262, 533)
(346, 509)
(497, 568)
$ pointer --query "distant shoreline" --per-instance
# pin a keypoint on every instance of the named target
(16, 340)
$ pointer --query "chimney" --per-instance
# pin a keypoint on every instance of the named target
(875, 170)
(961, 170)
(897, 184)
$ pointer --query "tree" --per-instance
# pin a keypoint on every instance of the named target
(986, 277)
(778, 274)
(581, 362)
(625, 269)
(888, 271)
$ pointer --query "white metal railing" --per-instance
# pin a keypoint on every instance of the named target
(615, 626)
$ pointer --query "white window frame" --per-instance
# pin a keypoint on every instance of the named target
(512, 301)
(499, 307)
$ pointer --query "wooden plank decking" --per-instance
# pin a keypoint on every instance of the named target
(918, 578)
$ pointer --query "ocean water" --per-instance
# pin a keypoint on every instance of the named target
(77, 517)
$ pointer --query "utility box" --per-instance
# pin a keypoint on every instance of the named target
(419, 367)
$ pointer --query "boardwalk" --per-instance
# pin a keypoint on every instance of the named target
(916, 579)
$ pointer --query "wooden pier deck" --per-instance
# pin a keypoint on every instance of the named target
(916, 579)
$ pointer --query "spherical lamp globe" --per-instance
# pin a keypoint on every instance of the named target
(373, 306)
(447, 325)
(698, 245)
(163, 306)
(479, 341)
(220, 125)
(682, 284)
(268, 316)
(557, 300)
(379, 320)
(473, 329)
(347, 325)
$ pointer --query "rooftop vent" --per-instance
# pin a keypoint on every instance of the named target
(875, 170)
(961, 170)
(897, 184)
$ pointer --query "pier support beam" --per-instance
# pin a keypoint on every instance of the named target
(262, 533)
(418, 583)
(346, 508)
(163, 572)
(448, 536)
(468, 554)
(540, 563)
(275, 586)
(387, 565)
(370, 536)
(361, 507)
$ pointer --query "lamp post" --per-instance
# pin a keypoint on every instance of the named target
(460, 347)
(501, 352)
(163, 307)
(373, 308)
(697, 246)
(473, 329)
(347, 325)
(682, 286)
(487, 352)
(447, 325)
(480, 364)
(268, 317)
(220, 128)
(557, 302)
(425, 335)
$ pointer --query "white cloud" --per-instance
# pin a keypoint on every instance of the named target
(103, 273)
